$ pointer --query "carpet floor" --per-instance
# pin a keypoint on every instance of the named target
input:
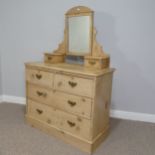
(18, 138)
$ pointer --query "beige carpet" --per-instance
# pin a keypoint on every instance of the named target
(17, 138)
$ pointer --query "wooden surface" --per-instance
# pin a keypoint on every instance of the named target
(53, 58)
(73, 124)
(79, 10)
(95, 49)
(82, 144)
(39, 77)
(79, 70)
(73, 85)
(102, 101)
(69, 101)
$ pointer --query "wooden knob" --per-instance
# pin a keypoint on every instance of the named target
(71, 103)
(38, 76)
(39, 111)
(72, 84)
(39, 93)
(92, 62)
(71, 124)
(49, 58)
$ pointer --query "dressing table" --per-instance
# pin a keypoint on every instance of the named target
(68, 100)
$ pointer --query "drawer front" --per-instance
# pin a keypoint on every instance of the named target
(75, 85)
(74, 104)
(70, 103)
(65, 122)
(39, 94)
(39, 77)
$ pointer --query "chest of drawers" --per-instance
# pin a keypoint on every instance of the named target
(69, 102)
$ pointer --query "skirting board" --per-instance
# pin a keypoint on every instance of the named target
(135, 116)
(12, 99)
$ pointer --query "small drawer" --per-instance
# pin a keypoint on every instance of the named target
(39, 94)
(39, 77)
(53, 58)
(61, 120)
(74, 85)
(98, 62)
(71, 103)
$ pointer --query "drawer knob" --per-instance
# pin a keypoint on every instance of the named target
(49, 58)
(71, 124)
(41, 94)
(38, 76)
(71, 103)
(39, 111)
(92, 62)
(72, 84)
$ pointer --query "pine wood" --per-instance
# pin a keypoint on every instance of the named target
(96, 58)
(74, 85)
(78, 10)
(53, 58)
(71, 101)
(39, 77)
(73, 124)
(101, 107)
(80, 143)
(69, 69)
(87, 122)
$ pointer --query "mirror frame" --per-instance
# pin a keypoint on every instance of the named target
(76, 12)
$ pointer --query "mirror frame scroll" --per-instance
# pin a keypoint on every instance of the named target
(79, 11)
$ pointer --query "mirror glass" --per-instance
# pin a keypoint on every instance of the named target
(79, 34)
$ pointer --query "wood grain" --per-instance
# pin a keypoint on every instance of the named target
(81, 106)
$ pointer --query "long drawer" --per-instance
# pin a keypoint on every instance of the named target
(56, 118)
(39, 77)
(75, 85)
(64, 101)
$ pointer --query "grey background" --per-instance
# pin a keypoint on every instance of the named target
(125, 28)
(0, 76)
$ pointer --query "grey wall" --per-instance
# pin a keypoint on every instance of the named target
(125, 29)
(0, 53)
(0, 76)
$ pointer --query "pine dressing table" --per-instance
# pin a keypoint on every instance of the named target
(72, 101)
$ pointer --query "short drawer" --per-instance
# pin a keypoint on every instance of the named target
(39, 77)
(71, 103)
(39, 93)
(61, 120)
(74, 85)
